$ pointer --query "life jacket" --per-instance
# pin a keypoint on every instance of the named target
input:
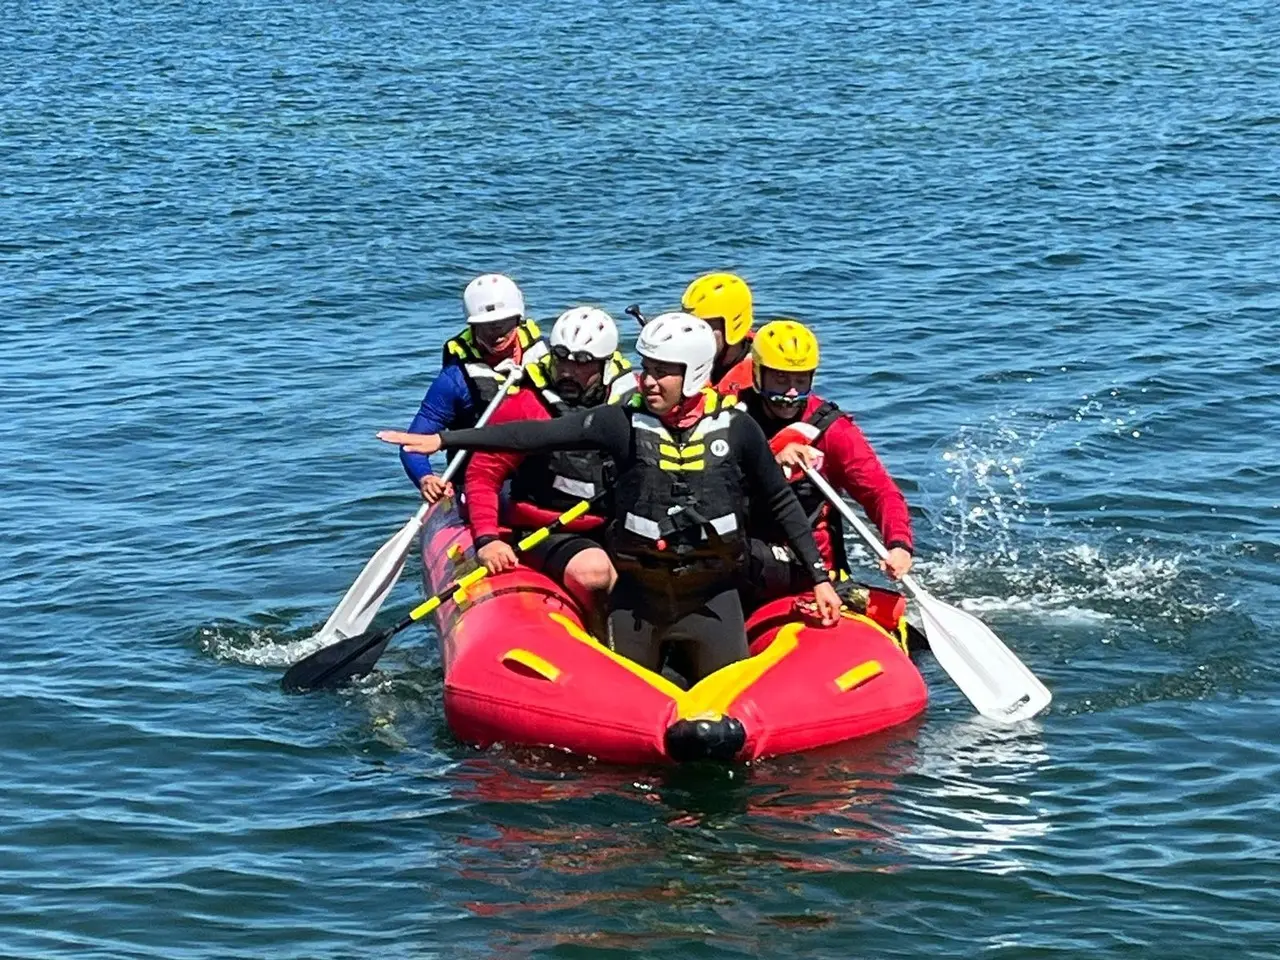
(559, 479)
(818, 417)
(738, 377)
(482, 380)
(681, 506)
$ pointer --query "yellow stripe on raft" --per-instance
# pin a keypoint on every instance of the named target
(858, 675)
(712, 696)
(527, 658)
(648, 676)
(716, 693)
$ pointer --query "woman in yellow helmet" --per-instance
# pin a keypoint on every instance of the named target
(804, 427)
(724, 301)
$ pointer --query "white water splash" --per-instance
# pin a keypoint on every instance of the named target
(1008, 550)
(255, 646)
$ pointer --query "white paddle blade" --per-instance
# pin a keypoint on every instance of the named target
(365, 597)
(997, 683)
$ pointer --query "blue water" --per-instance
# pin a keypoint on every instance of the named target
(1039, 242)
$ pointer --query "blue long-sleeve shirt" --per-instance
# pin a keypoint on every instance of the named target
(447, 402)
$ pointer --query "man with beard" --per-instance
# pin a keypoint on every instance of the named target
(582, 369)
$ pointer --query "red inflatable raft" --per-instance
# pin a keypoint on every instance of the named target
(520, 669)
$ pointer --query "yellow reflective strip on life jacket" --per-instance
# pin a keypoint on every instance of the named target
(540, 372)
(528, 332)
(618, 365)
(716, 693)
(717, 401)
(693, 450)
(667, 450)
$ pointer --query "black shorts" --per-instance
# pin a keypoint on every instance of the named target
(553, 554)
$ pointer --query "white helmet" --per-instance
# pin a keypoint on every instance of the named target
(585, 330)
(681, 338)
(492, 297)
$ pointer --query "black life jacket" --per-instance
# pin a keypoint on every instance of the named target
(816, 508)
(682, 504)
(559, 479)
(814, 503)
(482, 380)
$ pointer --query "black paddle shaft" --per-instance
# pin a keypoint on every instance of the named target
(634, 310)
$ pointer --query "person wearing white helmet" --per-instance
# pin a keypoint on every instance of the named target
(583, 368)
(689, 469)
(473, 365)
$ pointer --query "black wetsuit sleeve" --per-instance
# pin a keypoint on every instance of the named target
(597, 428)
(767, 485)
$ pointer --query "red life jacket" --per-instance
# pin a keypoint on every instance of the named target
(828, 527)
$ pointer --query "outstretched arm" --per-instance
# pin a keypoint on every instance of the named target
(447, 399)
(598, 428)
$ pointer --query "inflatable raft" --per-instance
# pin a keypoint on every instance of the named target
(520, 669)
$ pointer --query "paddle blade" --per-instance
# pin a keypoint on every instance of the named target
(334, 665)
(365, 597)
(997, 683)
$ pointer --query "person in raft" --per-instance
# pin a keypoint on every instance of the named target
(688, 466)
(805, 428)
(723, 300)
(473, 366)
(583, 369)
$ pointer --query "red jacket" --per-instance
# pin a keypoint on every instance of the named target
(486, 473)
(852, 467)
(737, 377)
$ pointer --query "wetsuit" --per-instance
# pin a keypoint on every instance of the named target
(680, 562)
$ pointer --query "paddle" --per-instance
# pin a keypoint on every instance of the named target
(355, 656)
(997, 683)
(365, 597)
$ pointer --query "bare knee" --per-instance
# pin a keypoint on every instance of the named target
(591, 570)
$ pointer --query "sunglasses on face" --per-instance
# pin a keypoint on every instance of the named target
(497, 329)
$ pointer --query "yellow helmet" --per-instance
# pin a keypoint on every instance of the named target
(785, 345)
(721, 296)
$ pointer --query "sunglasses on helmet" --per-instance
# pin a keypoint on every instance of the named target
(561, 352)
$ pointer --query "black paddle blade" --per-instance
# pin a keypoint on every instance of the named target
(333, 665)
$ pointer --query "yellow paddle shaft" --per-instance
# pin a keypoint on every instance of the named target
(479, 573)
